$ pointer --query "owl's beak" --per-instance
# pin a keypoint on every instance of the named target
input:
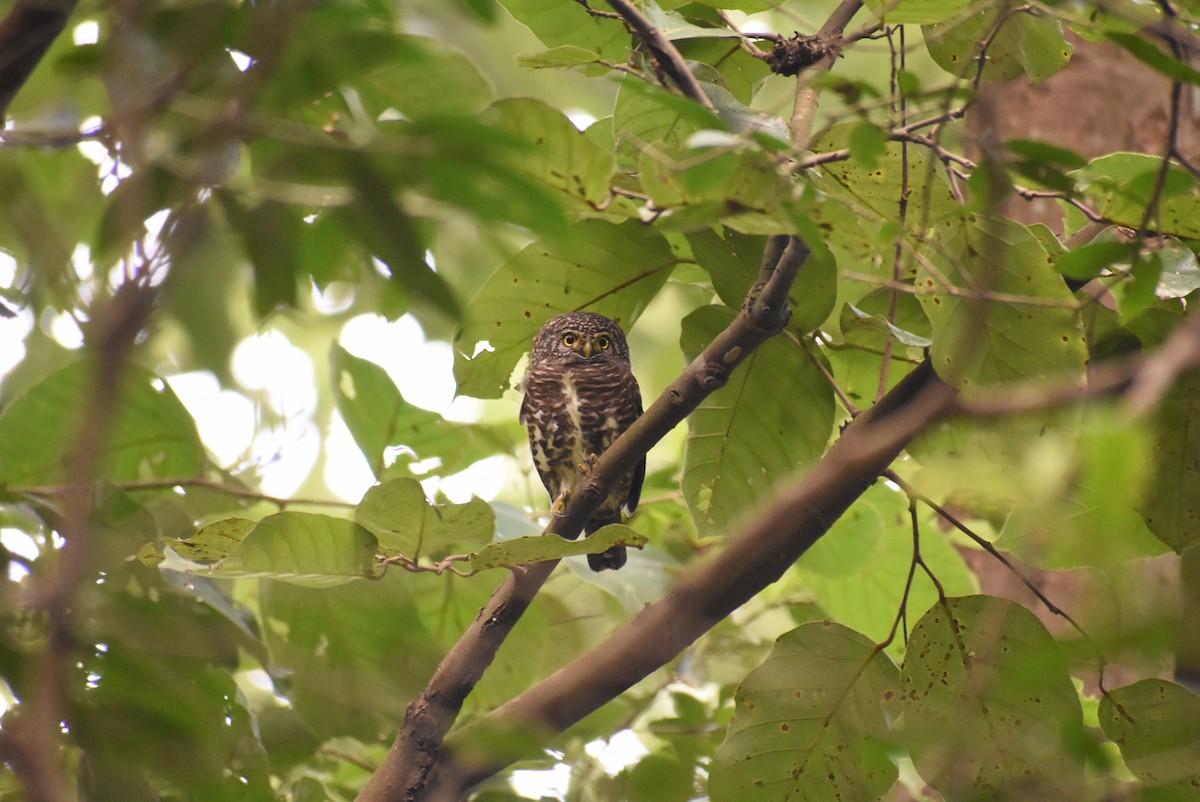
(587, 348)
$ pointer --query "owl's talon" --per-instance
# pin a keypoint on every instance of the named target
(558, 508)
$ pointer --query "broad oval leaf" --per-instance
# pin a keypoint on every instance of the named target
(539, 548)
(304, 549)
(989, 708)
(774, 416)
(558, 155)
(1171, 507)
(556, 23)
(1121, 185)
(857, 572)
(151, 432)
(999, 309)
(1030, 43)
(403, 520)
(214, 541)
(611, 269)
(810, 722)
(380, 420)
(1154, 722)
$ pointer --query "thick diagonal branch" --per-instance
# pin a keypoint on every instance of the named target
(757, 557)
(664, 52)
(26, 33)
(403, 773)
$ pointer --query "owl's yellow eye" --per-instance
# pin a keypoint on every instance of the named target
(569, 340)
(602, 341)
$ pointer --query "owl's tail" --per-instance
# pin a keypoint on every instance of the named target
(611, 559)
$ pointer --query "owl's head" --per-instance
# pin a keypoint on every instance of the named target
(581, 337)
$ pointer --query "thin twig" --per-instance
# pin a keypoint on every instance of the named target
(49, 491)
(984, 544)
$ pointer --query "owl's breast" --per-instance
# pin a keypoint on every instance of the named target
(573, 415)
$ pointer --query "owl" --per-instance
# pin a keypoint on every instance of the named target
(580, 395)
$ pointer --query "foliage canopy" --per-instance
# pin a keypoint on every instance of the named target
(184, 182)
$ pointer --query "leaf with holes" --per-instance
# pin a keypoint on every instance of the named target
(611, 269)
(810, 722)
(1122, 185)
(558, 154)
(989, 708)
(774, 416)
(1171, 508)
(1027, 42)
(380, 420)
(999, 309)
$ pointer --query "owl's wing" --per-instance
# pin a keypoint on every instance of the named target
(639, 471)
(635, 489)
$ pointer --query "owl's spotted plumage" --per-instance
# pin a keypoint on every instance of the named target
(580, 395)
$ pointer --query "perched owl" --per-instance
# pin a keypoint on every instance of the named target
(580, 395)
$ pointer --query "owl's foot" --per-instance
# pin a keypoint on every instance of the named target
(586, 467)
(558, 508)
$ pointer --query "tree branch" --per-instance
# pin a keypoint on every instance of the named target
(804, 108)
(34, 745)
(800, 515)
(664, 52)
(26, 33)
(404, 772)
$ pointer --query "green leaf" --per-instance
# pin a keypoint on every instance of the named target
(989, 708)
(556, 23)
(1088, 261)
(355, 654)
(921, 12)
(731, 260)
(378, 219)
(1171, 507)
(647, 116)
(1121, 185)
(1154, 723)
(556, 57)
(604, 268)
(810, 722)
(424, 77)
(49, 200)
(773, 417)
(214, 541)
(1149, 54)
(403, 520)
(270, 234)
(856, 207)
(1089, 518)
(380, 420)
(867, 143)
(151, 433)
(302, 548)
(1028, 42)
(855, 318)
(1031, 331)
(525, 550)
(1135, 295)
(857, 572)
(559, 155)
